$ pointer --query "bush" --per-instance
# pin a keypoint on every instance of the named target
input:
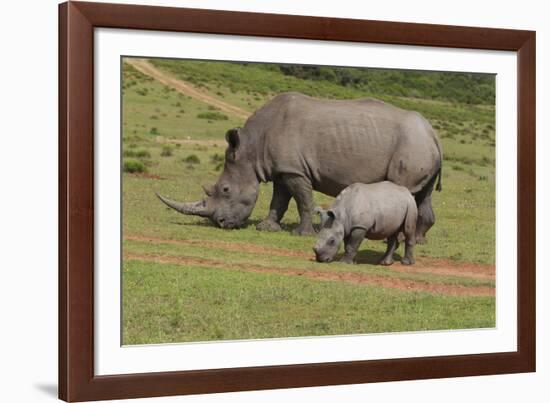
(154, 131)
(192, 159)
(140, 153)
(212, 116)
(216, 158)
(133, 166)
(166, 151)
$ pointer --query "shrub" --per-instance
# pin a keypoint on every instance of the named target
(192, 159)
(133, 166)
(166, 151)
(154, 131)
(212, 116)
(140, 153)
(217, 158)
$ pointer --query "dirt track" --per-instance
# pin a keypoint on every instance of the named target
(184, 87)
(432, 266)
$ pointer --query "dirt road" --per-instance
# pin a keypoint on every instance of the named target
(439, 267)
(184, 87)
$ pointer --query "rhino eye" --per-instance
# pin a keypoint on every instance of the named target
(331, 241)
(225, 188)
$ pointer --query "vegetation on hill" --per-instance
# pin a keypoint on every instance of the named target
(337, 82)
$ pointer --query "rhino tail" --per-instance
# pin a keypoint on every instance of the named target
(438, 187)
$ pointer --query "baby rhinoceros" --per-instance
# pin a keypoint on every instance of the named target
(375, 211)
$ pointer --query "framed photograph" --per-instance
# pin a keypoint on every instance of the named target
(257, 201)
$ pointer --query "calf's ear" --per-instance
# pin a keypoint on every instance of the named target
(330, 217)
(322, 214)
(327, 218)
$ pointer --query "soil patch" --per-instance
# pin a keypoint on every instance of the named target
(441, 267)
(355, 278)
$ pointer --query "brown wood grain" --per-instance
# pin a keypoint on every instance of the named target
(77, 21)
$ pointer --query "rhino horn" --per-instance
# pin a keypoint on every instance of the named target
(209, 190)
(194, 208)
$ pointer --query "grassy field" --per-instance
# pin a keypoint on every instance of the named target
(184, 280)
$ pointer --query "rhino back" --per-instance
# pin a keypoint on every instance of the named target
(380, 208)
(334, 143)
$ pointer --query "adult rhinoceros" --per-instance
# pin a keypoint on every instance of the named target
(302, 144)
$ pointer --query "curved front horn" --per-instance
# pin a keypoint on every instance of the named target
(195, 208)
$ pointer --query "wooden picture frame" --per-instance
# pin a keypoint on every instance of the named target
(77, 21)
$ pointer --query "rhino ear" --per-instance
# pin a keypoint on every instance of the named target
(322, 214)
(232, 138)
(329, 220)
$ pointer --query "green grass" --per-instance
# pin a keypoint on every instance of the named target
(166, 113)
(169, 303)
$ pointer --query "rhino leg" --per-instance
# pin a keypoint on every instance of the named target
(300, 188)
(426, 215)
(277, 208)
(425, 220)
(351, 245)
(410, 231)
(393, 244)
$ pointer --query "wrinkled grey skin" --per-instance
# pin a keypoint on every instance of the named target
(376, 211)
(302, 144)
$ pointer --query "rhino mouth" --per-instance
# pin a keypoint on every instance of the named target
(225, 222)
(222, 223)
(323, 259)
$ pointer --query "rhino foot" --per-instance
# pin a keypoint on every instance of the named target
(347, 259)
(407, 261)
(304, 230)
(268, 225)
(388, 261)
(421, 239)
